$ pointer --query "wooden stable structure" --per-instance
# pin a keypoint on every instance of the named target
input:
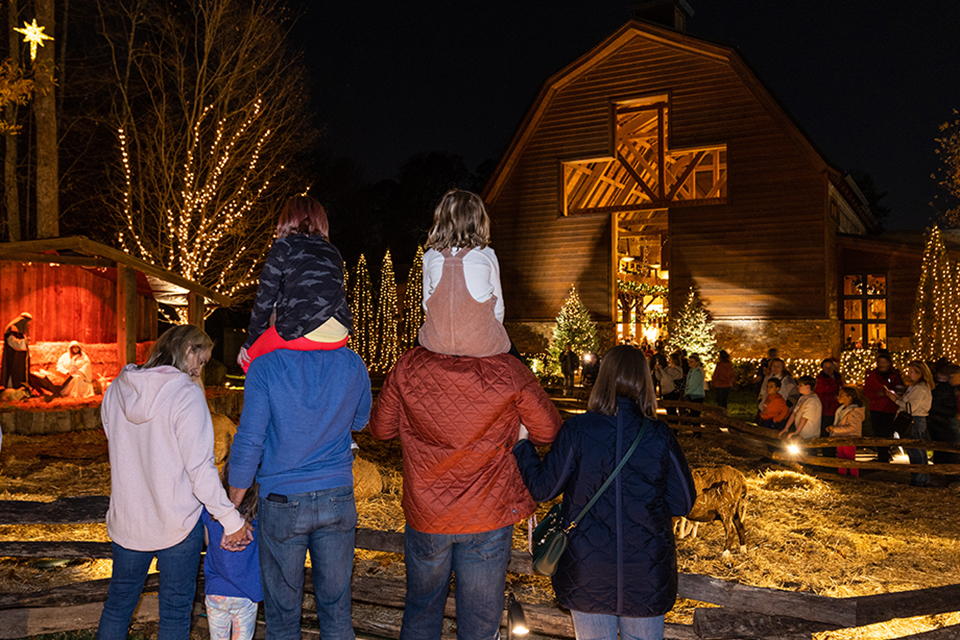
(78, 289)
(659, 156)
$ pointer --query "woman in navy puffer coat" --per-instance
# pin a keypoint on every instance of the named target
(620, 568)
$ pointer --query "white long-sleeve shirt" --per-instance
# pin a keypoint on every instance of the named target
(162, 471)
(481, 269)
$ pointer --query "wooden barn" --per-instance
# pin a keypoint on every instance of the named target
(77, 289)
(658, 159)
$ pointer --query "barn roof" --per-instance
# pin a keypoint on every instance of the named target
(166, 286)
(678, 41)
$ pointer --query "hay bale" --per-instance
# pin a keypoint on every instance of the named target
(367, 481)
(789, 480)
(223, 431)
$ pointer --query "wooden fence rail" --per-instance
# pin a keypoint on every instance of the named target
(746, 611)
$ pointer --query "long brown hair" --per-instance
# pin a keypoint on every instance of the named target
(925, 375)
(624, 372)
(461, 221)
(172, 347)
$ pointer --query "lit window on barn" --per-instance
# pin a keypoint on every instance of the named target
(864, 310)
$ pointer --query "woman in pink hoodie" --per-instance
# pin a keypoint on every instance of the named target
(162, 474)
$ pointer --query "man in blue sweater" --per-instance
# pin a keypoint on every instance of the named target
(299, 410)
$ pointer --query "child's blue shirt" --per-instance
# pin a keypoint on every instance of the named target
(230, 573)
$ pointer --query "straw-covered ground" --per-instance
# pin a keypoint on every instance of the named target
(821, 534)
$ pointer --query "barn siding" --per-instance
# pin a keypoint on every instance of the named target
(69, 303)
(762, 254)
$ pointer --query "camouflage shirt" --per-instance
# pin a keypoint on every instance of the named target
(303, 281)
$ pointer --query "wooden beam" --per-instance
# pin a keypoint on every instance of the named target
(729, 624)
(195, 310)
(906, 604)
(126, 314)
(50, 258)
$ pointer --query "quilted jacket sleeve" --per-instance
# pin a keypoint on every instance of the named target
(681, 492)
(387, 414)
(546, 478)
(537, 412)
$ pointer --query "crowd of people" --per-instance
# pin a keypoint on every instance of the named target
(468, 413)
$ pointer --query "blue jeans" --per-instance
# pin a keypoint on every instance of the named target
(599, 626)
(479, 561)
(325, 524)
(178, 566)
(918, 456)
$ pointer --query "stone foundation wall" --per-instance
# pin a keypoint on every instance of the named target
(752, 337)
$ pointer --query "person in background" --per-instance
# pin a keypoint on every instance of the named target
(763, 370)
(16, 353)
(828, 386)
(671, 381)
(916, 400)
(774, 411)
(806, 415)
(788, 386)
(942, 421)
(882, 408)
(162, 475)
(848, 423)
(693, 391)
(724, 378)
(619, 572)
(569, 362)
(75, 366)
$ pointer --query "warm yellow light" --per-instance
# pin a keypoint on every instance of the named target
(793, 449)
(663, 274)
(626, 258)
(33, 33)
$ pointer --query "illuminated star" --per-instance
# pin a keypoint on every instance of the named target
(33, 33)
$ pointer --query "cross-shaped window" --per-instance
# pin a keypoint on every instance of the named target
(644, 173)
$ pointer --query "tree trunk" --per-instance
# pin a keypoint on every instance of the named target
(45, 112)
(11, 193)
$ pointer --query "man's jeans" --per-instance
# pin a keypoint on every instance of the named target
(479, 561)
(325, 523)
(178, 566)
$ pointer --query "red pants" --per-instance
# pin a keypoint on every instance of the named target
(848, 453)
(270, 340)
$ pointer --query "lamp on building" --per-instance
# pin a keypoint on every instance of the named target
(516, 620)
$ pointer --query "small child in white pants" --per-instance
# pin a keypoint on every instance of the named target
(232, 578)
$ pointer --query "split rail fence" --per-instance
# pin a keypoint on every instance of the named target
(741, 611)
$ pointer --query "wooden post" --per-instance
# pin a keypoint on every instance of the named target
(126, 314)
(45, 115)
(195, 309)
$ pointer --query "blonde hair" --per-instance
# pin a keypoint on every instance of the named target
(925, 375)
(461, 221)
(173, 346)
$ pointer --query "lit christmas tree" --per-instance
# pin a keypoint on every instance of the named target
(387, 343)
(575, 327)
(361, 307)
(692, 331)
(935, 318)
(413, 313)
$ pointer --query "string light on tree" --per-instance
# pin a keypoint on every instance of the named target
(360, 299)
(575, 327)
(413, 314)
(692, 331)
(33, 33)
(935, 312)
(387, 343)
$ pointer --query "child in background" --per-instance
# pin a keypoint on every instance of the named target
(461, 282)
(232, 578)
(774, 411)
(848, 423)
(806, 415)
(301, 285)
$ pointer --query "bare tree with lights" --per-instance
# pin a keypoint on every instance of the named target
(210, 108)
(948, 173)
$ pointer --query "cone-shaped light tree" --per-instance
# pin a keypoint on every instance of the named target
(692, 330)
(413, 314)
(575, 327)
(935, 312)
(361, 307)
(387, 341)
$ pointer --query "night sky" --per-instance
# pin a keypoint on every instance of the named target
(869, 82)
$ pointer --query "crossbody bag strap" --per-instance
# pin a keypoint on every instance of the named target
(613, 475)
